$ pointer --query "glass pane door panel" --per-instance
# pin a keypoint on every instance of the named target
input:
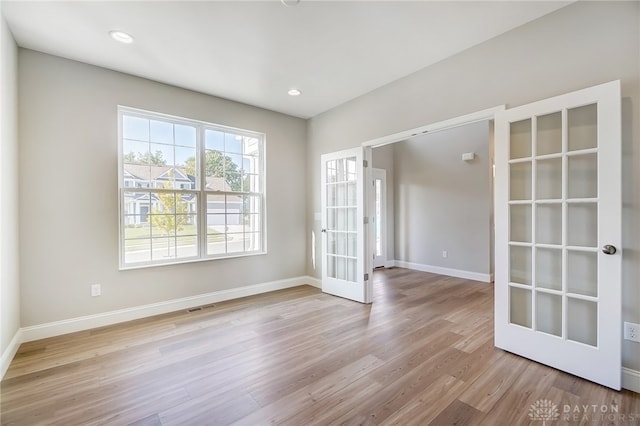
(352, 214)
(351, 169)
(352, 245)
(549, 224)
(549, 268)
(582, 273)
(520, 223)
(549, 313)
(582, 225)
(332, 171)
(549, 134)
(520, 265)
(520, 139)
(520, 181)
(582, 321)
(352, 197)
(331, 218)
(549, 179)
(583, 176)
(340, 170)
(332, 244)
(583, 127)
(520, 306)
(341, 243)
(341, 218)
(341, 211)
(341, 194)
(352, 268)
(331, 195)
(341, 268)
(331, 266)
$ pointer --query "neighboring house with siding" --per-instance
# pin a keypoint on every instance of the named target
(139, 204)
(216, 213)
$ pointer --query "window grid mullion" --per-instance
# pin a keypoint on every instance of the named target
(200, 186)
(199, 194)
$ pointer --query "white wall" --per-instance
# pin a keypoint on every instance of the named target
(382, 158)
(9, 263)
(443, 203)
(581, 45)
(69, 196)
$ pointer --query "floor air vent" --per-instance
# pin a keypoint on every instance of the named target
(200, 308)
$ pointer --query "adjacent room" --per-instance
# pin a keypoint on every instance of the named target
(439, 203)
(312, 212)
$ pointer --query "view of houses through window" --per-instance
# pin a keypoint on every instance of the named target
(189, 190)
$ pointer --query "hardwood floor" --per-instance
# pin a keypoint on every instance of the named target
(421, 354)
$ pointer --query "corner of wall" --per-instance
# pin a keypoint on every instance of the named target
(10, 352)
(9, 263)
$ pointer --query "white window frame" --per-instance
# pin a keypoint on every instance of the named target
(200, 191)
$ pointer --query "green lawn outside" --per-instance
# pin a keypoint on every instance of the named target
(137, 237)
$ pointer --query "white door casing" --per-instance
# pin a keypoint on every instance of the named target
(557, 207)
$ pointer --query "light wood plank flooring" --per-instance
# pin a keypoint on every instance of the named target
(421, 354)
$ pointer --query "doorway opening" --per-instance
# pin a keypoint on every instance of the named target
(440, 201)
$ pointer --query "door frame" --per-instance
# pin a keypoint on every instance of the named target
(462, 120)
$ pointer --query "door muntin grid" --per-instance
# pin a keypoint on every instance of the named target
(342, 212)
(553, 229)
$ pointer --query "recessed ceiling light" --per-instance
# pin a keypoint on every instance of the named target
(121, 36)
(290, 2)
(294, 92)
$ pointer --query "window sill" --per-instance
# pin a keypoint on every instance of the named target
(190, 260)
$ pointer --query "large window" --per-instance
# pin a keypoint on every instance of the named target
(189, 190)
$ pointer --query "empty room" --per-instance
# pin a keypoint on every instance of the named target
(306, 212)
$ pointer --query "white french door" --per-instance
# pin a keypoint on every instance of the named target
(558, 232)
(345, 270)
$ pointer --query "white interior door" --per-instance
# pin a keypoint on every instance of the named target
(345, 270)
(379, 217)
(558, 233)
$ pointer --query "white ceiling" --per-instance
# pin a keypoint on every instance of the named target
(253, 52)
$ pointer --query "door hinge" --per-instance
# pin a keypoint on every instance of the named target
(365, 163)
(366, 220)
(366, 277)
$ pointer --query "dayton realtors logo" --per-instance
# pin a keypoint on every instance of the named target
(597, 413)
(546, 411)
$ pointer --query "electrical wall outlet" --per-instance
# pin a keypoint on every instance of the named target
(445, 254)
(96, 290)
(632, 332)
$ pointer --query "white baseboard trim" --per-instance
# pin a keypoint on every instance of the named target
(476, 276)
(10, 352)
(631, 379)
(313, 281)
(57, 328)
